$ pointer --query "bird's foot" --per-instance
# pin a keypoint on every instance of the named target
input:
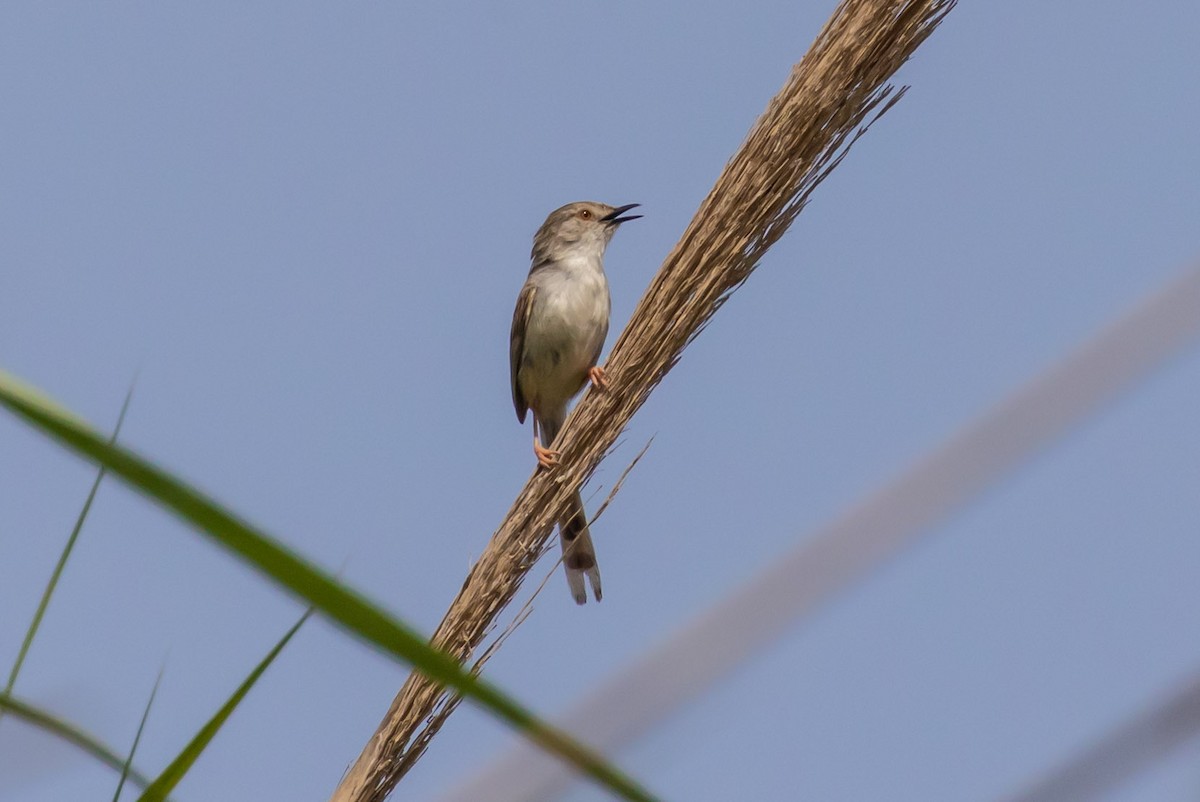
(545, 457)
(598, 377)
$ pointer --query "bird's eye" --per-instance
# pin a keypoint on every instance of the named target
(585, 214)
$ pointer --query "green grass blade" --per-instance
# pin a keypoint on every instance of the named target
(172, 774)
(317, 588)
(71, 734)
(62, 559)
(137, 738)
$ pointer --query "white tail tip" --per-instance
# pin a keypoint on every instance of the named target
(578, 590)
(575, 580)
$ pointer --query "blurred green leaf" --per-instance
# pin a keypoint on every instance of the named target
(338, 602)
(172, 774)
(62, 559)
(137, 738)
(70, 733)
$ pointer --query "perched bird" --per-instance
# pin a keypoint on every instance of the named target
(558, 330)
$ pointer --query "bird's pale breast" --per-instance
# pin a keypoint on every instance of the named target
(565, 333)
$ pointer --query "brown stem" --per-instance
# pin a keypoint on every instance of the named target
(832, 95)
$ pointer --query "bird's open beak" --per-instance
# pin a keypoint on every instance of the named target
(614, 217)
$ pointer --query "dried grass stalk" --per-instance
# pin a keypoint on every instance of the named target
(832, 95)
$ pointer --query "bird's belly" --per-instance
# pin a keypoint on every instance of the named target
(561, 344)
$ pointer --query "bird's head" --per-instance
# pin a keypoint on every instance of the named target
(580, 225)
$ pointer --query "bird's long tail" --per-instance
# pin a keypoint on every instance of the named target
(579, 555)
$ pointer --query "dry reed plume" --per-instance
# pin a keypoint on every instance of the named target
(832, 95)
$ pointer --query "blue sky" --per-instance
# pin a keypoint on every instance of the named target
(303, 226)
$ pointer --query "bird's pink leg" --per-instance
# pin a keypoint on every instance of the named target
(598, 377)
(545, 456)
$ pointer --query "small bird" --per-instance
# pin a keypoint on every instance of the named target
(558, 330)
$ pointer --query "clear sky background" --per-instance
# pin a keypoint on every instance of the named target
(304, 226)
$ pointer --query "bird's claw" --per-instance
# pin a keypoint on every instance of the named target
(546, 457)
(598, 377)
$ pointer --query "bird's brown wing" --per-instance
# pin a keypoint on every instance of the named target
(516, 345)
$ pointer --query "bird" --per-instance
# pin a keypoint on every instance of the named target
(558, 331)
